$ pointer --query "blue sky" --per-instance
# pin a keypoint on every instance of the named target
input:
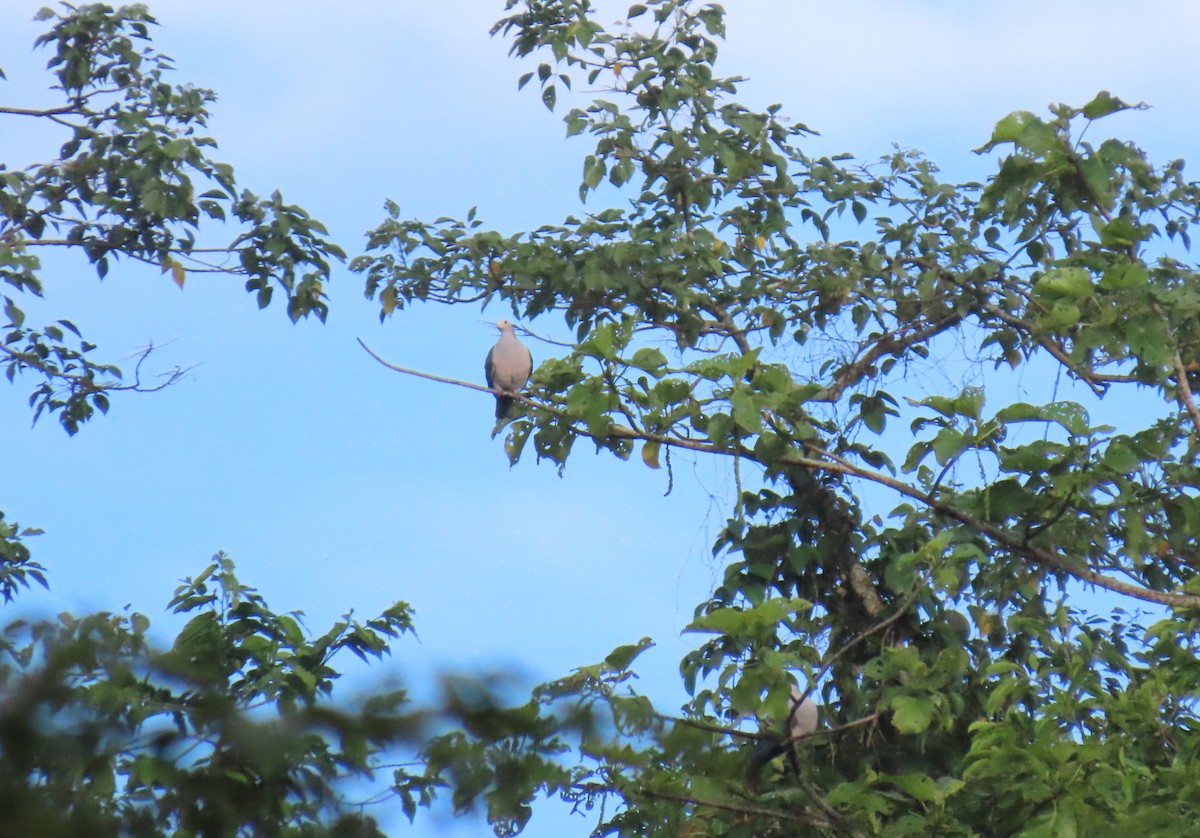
(337, 484)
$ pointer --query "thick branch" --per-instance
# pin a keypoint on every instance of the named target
(1000, 535)
(1185, 392)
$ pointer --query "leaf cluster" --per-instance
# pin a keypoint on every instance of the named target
(134, 180)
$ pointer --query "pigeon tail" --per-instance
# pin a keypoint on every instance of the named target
(503, 406)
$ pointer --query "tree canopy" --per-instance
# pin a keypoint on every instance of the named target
(907, 549)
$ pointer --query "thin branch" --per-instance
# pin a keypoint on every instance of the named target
(885, 344)
(900, 611)
(736, 733)
(728, 327)
(815, 794)
(741, 808)
(832, 463)
(59, 111)
(618, 431)
(550, 341)
(757, 736)
(830, 731)
(468, 384)
(1094, 380)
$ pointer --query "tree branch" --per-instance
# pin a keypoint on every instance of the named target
(1094, 380)
(88, 382)
(1000, 535)
(59, 111)
(1185, 391)
(741, 808)
(885, 344)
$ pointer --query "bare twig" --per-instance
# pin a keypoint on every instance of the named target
(88, 383)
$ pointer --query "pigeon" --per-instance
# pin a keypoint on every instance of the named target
(802, 717)
(507, 367)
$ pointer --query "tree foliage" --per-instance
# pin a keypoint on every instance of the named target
(742, 299)
(126, 184)
(909, 545)
(224, 733)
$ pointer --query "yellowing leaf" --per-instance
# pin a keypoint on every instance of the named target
(178, 273)
(650, 453)
(388, 300)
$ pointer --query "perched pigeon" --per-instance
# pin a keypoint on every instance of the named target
(507, 367)
(802, 720)
(802, 717)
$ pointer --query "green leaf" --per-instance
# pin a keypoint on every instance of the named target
(911, 714)
(746, 413)
(1065, 282)
(15, 316)
(1121, 457)
(594, 170)
(1120, 233)
(576, 123)
(649, 359)
(1103, 105)
(1071, 415)
(1124, 275)
(621, 657)
(1025, 130)
(947, 445)
(758, 621)
(177, 148)
(720, 428)
(875, 409)
(919, 786)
